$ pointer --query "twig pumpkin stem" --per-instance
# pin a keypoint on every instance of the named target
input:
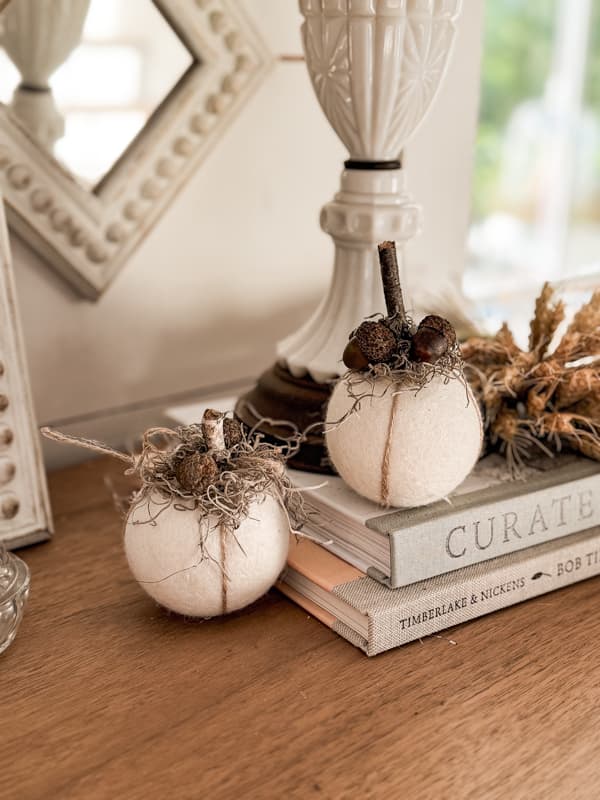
(390, 278)
(212, 430)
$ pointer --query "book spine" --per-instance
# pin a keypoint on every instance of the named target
(492, 589)
(471, 536)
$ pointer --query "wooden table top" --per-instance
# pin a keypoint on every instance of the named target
(105, 695)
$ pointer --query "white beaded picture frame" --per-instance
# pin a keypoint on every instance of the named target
(87, 236)
(25, 515)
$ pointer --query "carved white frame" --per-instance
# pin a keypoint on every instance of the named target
(24, 507)
(87, 235)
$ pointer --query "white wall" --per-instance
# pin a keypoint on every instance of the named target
(238, 260)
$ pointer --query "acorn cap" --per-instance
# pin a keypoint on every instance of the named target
(376, 341)
(440, 325)
(196, 472)
(232, 432)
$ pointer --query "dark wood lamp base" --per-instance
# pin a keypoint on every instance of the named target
(278, 395)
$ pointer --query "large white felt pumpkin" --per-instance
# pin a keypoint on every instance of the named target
(404, 447)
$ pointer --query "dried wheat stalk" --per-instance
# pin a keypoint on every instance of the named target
(535, 400)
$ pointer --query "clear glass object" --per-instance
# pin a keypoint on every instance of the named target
(14, 590)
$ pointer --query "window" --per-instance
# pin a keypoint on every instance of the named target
(536, 188)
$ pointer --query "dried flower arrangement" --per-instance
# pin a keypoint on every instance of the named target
(534, 400)
(208, 531)
(402, 427)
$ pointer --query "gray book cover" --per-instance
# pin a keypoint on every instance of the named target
(488, 516)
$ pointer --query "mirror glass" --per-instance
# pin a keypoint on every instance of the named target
(85, 77)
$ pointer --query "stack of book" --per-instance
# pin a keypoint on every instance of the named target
(384, 578)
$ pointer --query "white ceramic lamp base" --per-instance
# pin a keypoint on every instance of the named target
(375, 66)
(372, 206)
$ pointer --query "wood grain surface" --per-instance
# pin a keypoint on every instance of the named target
(105, 695)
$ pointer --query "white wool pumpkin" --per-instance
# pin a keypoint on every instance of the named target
(407, 448)
(166, 558)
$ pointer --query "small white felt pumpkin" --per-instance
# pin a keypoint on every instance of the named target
(403, 446)
(195, 567)
(208, 533)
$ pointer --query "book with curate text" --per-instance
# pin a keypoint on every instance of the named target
(486, 517)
